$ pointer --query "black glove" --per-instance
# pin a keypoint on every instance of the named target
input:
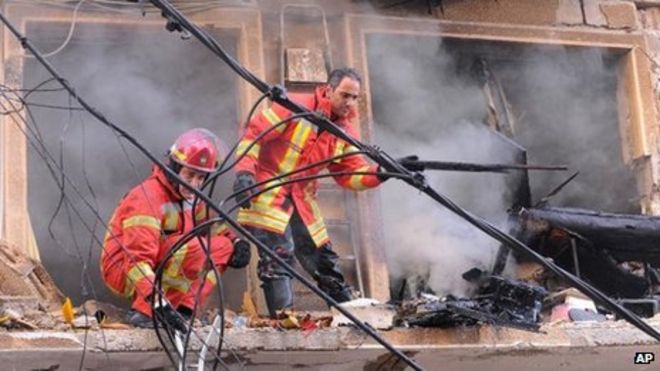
(171, 319)
(409, 162)
(244, 180)
(241, 256)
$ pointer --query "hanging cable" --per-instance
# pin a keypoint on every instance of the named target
(74, 18)
(62, 179)
(415, 180)
(382, 158)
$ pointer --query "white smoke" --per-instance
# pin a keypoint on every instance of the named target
(149, 82)
(426, 104)
(431, 112)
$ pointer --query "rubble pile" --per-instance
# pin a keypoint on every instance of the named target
(29, 298)
(499, 301)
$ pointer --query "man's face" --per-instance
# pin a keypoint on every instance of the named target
(344, 97)
(194, 178)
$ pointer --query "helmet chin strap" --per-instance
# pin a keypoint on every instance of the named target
(176, 168)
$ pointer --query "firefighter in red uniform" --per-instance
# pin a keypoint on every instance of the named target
(150, 219)
(287, 219)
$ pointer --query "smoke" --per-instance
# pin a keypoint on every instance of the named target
(566, 99)
(423, 107)
(426, 102)
(147, 81)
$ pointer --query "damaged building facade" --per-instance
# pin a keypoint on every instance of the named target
(531, 71)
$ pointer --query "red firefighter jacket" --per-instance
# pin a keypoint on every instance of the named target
(148, 221)
(291, 146)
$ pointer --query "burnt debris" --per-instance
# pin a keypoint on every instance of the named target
(498, 301)
(616, 253)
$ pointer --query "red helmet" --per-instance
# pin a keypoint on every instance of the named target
(197, 149)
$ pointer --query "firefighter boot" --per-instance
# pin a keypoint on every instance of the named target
(278, 293)
(328, 275)
(337, 289)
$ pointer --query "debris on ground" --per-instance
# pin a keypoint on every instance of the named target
(23, 277)
(498, 301)
(616, 253)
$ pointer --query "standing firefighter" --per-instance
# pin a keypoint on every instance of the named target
(287, 219)
(150, 219)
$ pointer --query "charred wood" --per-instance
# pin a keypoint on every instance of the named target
(614, 252)
(625, 237)
(498, 301)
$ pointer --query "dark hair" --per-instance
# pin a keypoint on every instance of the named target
(337, 75)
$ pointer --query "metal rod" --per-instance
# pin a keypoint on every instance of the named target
(576, 262)
(470, 167)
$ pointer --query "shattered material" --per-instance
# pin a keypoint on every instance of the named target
(616, 253)
(500, 302)
(25, 277)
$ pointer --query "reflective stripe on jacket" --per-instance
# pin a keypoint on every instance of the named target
(291, 146)
(148, 221)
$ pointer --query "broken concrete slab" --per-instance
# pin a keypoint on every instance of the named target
(342, 348)
(379, 316)
(20, 304)
(21, 276)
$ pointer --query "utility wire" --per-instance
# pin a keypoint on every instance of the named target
(27, 44)
(44, 157)
(415, 180)
(74, 17)
(64, 199)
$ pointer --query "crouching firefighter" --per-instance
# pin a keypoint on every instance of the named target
(287, 219)
(149, 221)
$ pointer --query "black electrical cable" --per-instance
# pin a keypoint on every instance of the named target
(67, 206)
(384, 160)
(211, 181)
(201, 227)
(46, 156)
(220, 289)
(49, 160)
(257, 139)
(247, 121)
(209, 263)
(213, 178)
(297, 171)
(319, 176)
(28, 92)
(60, 182)
(392, 165)
(158, 274)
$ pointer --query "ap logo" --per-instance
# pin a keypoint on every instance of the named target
(643, 358)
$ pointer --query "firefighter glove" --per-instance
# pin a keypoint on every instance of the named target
(241, 256)
(170, 318)
(411, 163)
(244, 180)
